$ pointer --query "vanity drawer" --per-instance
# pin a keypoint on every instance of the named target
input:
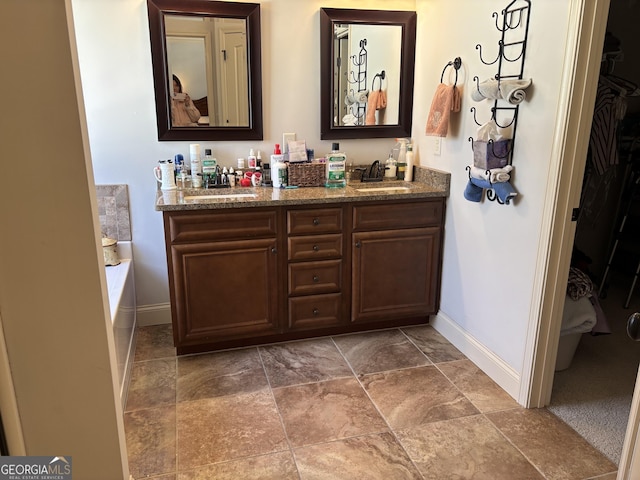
(315, 311)
(398, 215)
(315, 247)
(314, 221)
(315, 277)
(227, 225)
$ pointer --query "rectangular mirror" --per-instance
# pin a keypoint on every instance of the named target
(207, 69)
(367, 65)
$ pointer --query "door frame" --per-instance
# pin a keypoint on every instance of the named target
(587, 27)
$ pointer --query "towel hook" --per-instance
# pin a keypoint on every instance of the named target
(456, 63)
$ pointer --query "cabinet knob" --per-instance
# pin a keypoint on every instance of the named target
(316, 279)
(316, 312)
(358, 244)
(274, 250)
(316, 221)
(316, 248)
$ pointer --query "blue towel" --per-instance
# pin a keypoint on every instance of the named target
(472, 192)
(504, 191)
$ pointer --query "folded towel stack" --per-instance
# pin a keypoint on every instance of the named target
(513, 91)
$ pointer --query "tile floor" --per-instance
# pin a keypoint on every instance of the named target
(393, 404)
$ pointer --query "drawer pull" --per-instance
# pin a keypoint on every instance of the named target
(358, 244)
(316, 312)
(316, 221)
(316, 248)
(274, 250)
(316, 279)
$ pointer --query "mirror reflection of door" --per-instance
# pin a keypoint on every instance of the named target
(209, 56)
(232, 65)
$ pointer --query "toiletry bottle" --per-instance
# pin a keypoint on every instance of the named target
(336, 164)
(251, 159)
(259, 159)
(196, 165)
(408, 175)
(390, 167)
(266, 175)
(402, 165)
(278, 168)
(241, 163)
(208, 162)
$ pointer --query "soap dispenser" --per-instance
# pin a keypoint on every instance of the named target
(390, 167)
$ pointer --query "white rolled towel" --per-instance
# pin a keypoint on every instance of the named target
(349, 119)
(494, 175)
(362, 97)
(511, 90)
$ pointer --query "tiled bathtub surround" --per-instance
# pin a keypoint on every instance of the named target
(395, 404)
(113, 210)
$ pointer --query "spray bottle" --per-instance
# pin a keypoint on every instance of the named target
(402, 158)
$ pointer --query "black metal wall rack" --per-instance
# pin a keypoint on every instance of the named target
(512, 46)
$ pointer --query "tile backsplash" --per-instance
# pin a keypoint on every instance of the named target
(113, 210)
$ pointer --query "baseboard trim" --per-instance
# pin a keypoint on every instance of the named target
(501, 373)
(157, 314)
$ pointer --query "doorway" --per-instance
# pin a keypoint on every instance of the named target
(594, 394)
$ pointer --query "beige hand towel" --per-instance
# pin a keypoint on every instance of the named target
(441, 105)
(372, 106)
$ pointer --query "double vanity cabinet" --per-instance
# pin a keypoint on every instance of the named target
(300, 263)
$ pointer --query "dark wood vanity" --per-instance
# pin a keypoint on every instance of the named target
(244, 273)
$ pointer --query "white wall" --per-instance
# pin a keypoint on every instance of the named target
(59, 344)
(490, 250)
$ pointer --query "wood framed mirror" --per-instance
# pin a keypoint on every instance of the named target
(207, 69)
(367, 73)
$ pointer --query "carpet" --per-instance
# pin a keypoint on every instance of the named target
(593, 395)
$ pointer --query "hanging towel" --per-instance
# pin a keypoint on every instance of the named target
(441, 105)
(372, 106)
(382, 100)
(504, 191)
(472, 192)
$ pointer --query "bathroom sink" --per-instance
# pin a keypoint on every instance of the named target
(220, 196)
(384, 189)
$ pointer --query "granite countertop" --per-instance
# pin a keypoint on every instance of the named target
(427, 183)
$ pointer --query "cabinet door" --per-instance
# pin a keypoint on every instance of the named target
(395, 274)
(224, 290)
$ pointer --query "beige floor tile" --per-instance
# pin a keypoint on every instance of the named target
(307, 361)
(549, 444)
(225, 428)
(370, 457)
(465, 448)
(415, 396)
(483, 392)
(324, 411)
(151, 441)
(155, 341)
(373, 352)
(277, 466)
(221, 373)
(153, 384)
(437, 348)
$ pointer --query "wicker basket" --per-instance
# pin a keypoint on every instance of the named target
(307, 174)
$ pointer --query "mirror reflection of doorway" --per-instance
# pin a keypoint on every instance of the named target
(232, 65)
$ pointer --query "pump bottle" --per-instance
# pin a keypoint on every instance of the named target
(408, 174)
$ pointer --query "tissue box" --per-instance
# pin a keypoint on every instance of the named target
(488, 155)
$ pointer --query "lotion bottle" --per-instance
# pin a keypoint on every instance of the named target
(408, 174)
(278, 168)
